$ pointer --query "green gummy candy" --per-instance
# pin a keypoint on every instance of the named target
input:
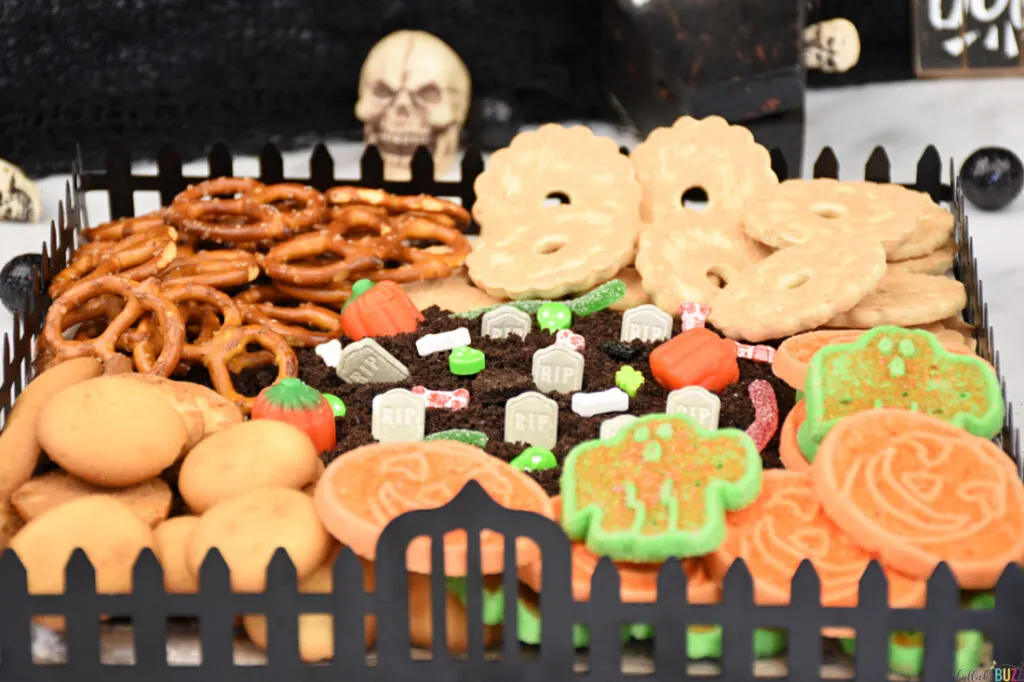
(477, 438)
(898, 368)
(628, 502)
(534, 458)
(530, 307)
(336, 403)
(629, 380)
(598, 299)
(465, 361)
(493, 600)
(554, 316)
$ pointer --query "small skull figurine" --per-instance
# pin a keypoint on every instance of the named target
(19, 197)
(414, 91)
(832, 46)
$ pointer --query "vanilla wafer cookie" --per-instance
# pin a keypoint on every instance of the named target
(693, 261)
(905, 300)
(796, 211)
(708, 153)
(554, 161)
(798, 288)
(935, 263)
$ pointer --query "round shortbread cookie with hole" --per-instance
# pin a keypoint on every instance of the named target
(693, 261)
(934, 229)
(568, 253)
(796, 211)
(709, 154)
(249, 528)
(935, 263)
(549, 171)
(150, 500)
(798, 288)
(254, 454)
(170, 540)
(111, 431)
(905, 300)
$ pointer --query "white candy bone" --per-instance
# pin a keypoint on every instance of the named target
(600, 402)
(435, 343)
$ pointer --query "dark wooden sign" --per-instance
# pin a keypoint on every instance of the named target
(968, 37)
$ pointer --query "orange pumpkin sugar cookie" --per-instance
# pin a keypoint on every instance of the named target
(901, 368)
(367, 488)
(917, 490)
(638, 583)
(789, 448)
(787, 525)
(658, 489)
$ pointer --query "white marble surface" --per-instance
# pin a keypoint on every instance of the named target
(958, 116)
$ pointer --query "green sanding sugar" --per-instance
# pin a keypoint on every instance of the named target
(907, 348)
(477, 438)
(642, 434)
(652, 451)
(664, 431)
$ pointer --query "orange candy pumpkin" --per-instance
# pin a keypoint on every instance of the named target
(697, 357)
(383, 309)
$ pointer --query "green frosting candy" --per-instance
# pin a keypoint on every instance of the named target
(629, 380)
(898, 368)
(465, 361)
(477, 438)
(337, 405)
(534, 458)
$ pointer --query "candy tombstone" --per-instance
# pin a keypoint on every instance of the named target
(696, 357)
(293, 402)
(554, 316)
(381, 309)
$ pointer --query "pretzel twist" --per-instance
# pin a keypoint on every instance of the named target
(138, 257)
(313, 204)
(222, 268)
(232, 343)
(424, 204)
(125, 227)
(304, 325)
(138, 300)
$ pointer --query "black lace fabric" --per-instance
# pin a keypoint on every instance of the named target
(252, 71)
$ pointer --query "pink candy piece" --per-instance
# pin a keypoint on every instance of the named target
(693, 315)
(570, 339)
(766, 413)
(756, 353)
(444, 400)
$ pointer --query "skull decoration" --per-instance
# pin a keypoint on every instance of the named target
(414, 91)
(554, 316)
(832, 46)
(19, 198)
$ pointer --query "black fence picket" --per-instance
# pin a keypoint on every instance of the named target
(216, 605)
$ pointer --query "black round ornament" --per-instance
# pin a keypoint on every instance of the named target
(493, 122)
(992, 177)
(16, 280)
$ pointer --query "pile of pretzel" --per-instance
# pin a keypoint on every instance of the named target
(233, 262)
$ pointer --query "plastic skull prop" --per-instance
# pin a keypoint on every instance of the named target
(19, 197)
(413, 91)
(832, 46)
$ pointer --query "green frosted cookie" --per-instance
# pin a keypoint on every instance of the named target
(493, 600)
(477, 438)
(659, 488)
(898, 368)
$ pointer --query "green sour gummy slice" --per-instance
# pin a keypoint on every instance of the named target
(598, 299)
(651, 493)
(477, 438)
(898, 368)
